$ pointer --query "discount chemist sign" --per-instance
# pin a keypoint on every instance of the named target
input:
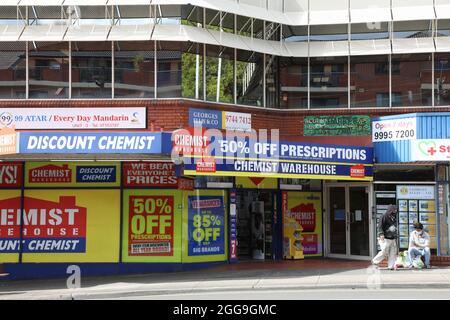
(91, 142)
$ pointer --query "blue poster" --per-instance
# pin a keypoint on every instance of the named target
(339, 215)
(206, 216)
(205, 118)
(96, 173)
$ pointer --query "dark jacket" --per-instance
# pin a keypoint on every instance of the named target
(388, 223)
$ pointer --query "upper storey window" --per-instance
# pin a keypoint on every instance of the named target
(443, 28)
(295, 33)
(9, 15)
(413, 29)
(329, 33)
(370, 31)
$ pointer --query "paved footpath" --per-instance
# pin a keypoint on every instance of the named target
(243, 277)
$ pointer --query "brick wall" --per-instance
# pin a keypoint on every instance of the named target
(172, 114)
(435, 261)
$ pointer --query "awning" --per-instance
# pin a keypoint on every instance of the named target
(164, 32)
(442, 9)
(87, 33)
(328, 48)
(231, 40)
(243, 8)
(10, 32)
(131, 32)
(367, 47)
(85, 2)
(263, 46)
(296, 12)
(40, 2)
(169, 33)
(404, 10)
(442, 44)
(413, 45)
(44, 33)
(297, 49)
(363, 11)
(128, 2)
(328, 12)
(195, 34)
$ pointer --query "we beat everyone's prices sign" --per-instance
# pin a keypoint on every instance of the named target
(47, 226)
(10, 175)
(149, 174)
(151, 225)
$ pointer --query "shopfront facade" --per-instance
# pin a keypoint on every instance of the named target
(153, 214)
(411, 171)
(125, 75)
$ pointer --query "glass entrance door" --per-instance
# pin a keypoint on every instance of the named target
(338, 235)
(348, 221)
(359, 221)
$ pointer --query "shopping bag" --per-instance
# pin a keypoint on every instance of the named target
(418, 263)
(402, 260)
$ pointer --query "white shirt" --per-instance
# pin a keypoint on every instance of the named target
(419, 239)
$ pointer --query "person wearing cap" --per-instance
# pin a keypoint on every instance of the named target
(419, 245)
(387, 238)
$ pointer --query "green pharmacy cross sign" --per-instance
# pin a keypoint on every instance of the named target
(337, 126)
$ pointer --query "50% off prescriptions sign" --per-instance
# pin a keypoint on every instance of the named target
(206, 226)
(151, 226)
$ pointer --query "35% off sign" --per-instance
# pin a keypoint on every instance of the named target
(207, 227)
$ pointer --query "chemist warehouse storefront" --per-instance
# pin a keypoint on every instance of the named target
(108, 202)
(291, 200)
(114, 203)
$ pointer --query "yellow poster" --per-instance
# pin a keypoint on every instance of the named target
(433, 243)
(428, 217)
(151, 225)
(306, 209)
(256, 183)
(426, 205)
(9, 229)
(71, 225)
(72, 174)
(430, 229)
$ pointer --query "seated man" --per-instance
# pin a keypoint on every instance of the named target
(419, 245)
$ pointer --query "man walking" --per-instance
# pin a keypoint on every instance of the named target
(387, 232)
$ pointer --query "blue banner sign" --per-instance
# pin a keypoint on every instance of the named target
(247, 157)
(205, 118)
(96, 173)
(93, 142)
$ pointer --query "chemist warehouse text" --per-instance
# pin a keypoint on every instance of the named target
(292, 158)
